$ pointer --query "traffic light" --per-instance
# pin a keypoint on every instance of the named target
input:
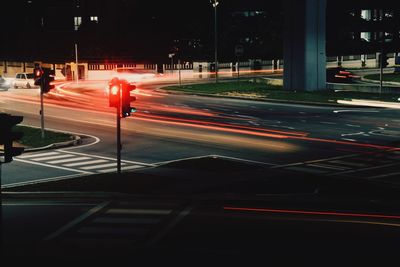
(47, 81)
(113, 89)
(7, 136)
(384, 60)
(38, 74)
(126, 99)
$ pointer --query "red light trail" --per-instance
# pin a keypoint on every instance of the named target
(305, 212)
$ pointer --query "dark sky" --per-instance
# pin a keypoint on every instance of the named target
(145, 27)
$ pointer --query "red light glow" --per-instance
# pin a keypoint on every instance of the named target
(304, 212)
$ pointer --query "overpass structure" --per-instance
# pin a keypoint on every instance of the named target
(305, 45)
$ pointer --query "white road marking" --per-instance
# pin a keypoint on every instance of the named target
(106, 220)
(138, 211)
(366, 111)
(112, 230)
(122, 168)
(52, 179)
(348, 139)
(351, 125)
(325, 166)
(327, 122)
(96, 139)
(171, 225)
(52, 166)
(359, 133)
(385, 175)
(353, 164)
(305, 169)
(76, 221)
(92, 167)
(106, 158)
(38, 155)
(68, 160)
(385, 133)
(85, 163)
(370, 168)
(52, 157)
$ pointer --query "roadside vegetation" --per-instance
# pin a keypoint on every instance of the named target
(387, 77)
(33, 137)
(265, 91)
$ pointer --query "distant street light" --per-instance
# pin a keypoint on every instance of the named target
(215, 3)
(171, 56)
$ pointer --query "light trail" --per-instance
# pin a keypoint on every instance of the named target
(307, 212)
(82, 103)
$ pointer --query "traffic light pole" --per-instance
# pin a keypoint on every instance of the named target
(42, 109)
(381, 74)
(119, 146)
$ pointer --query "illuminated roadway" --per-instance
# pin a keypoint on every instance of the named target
(315, 139)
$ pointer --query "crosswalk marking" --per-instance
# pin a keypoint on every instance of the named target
(138, 211)
(100, 166)
(305, 169)
(79, 162)
(38, 155)
(326, 166)
(52, 157)
(85, 163)
(68, 160)
(349, 163)
(108, 230)
(122, 168)
(107, 220)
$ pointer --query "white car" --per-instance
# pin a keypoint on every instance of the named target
(24, 80)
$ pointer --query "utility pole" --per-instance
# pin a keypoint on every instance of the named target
(76, 62)
(179, 70)
(215, 4)
(119, 146)
(171, 56)
(42, 108)
(381, 72)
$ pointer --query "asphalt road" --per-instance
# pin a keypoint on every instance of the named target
(315, 139)
(165, 230)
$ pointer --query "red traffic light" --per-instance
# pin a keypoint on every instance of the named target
(38, 72)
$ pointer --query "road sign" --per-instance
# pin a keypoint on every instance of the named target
(239, 50)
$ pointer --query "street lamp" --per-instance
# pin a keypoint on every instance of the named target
(171, 56)
(215, 4)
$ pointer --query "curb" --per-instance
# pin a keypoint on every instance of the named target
(390, 84)
(173, 92)
(77, 141)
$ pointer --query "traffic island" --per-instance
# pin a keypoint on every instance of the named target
(32, 138)
(256, 90)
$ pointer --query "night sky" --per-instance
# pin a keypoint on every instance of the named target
(146, 30)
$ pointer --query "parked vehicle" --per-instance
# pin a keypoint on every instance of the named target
(24, 80)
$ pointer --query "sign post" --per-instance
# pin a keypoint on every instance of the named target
(239, 53)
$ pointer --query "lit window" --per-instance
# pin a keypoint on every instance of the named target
(77, 22)
(94, 19)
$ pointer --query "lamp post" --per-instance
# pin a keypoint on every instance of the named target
(171, 56)
(215, 4)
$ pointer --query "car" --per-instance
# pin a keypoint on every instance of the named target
(24, 80)
(4, 84)
(340, 75)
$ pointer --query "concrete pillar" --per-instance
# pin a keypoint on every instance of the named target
(305, 45)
